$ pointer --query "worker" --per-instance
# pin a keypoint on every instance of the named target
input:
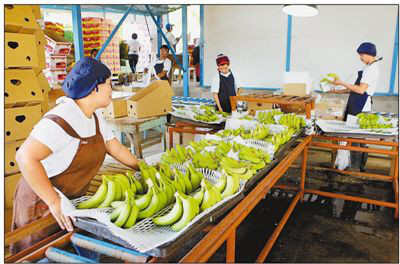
(224, 84)
(163, 65)
(133, 53)
(361, 92)
(196, 58)
(65, 151)
(170, 36)
(93, 53)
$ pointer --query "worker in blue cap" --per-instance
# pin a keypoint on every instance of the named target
(65, 150)
(361, 92)
(170, 36)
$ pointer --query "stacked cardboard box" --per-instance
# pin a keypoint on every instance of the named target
(26, 88)
(57, 49)
(57, 28)
(95, 33)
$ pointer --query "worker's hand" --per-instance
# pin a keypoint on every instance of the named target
(332, 90)
(63, 220)
(337, 82)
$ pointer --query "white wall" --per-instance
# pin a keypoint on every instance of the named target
(254, 37)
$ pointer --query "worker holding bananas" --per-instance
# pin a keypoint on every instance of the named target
(65, 150)
(224, 85)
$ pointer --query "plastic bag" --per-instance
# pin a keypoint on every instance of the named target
(343, 157)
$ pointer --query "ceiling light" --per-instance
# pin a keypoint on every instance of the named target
(300, 10)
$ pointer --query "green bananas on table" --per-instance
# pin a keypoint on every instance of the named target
(268, 117)
(279, 139)
(204, 161)
(368, 121)
(211, 195)
(237, 168)
(125, 213)
(292, 121)
(232, 184)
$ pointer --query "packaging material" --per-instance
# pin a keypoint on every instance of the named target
(56, 61)
(55, 76)
(154, 100)
(56, 28)
(11, 148)
(19, 19)
(20, 51)
(330, 109)
(19, 121)
(57, 44)
(297, 83)
(252, 107)
(117, 108)
(21, 88)
(10, 183)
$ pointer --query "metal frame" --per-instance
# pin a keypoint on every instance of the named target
(201, 45)
(395, 57)
(185, 55)
(288, 42)
(77, 28)
(159, 37)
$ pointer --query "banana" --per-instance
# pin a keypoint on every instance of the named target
(111, 193)
(249, 157)
(116, 204)
(172, 216)
(246, 176)
(144, 201)
(114, 215)
(97, 198)
(125, 212)
(132, 216)
(153, 206)
(124, 179)
(179, 178)
(259, 165)
(123, 185)
(180, 152)
(232, 163)
(190, 207)
(195, 177)
(211, 195)
(234, 170)
(232, 185)
(118, 195)
(188, 184)
(198, 196)
(220, 185)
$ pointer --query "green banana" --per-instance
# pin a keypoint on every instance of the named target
(259, 165)
(118, 195)
(144, 201)
(116, 204)
(125, 212)
(114, 215)
(194, 176)
(246, 176)
(198, 196)
(132, 216)
(220, 185)
(234, 170)
(153, 206)
(190, 207)
(173, 216)
(232, 185)
(188, 184)
(111, 193)
(97, 198)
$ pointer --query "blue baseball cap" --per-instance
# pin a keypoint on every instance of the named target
(84, 77)
(168, 26)
(367, 48)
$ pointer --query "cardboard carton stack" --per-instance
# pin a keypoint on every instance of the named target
(95, 33)
(57, 49)
(57, 28)
(26, 88)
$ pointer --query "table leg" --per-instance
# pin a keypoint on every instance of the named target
(180, 138)
(163, 137)
(138, 146)
(230, 247)
(171, 137)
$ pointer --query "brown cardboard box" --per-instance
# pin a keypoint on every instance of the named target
(19, 121)
(53, 96)
(117, 108)
(154, 100)
(8, 213)
(41, 42)
(36, 11)
(11, 149)
(253, 107)
(57, 44)
(330, 109)
(19, 19)
(10, 183)
(295, 89)
(21, 88)
(20, 51)
(43, 83)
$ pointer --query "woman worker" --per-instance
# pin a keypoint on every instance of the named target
(163, 65)
(65, 150)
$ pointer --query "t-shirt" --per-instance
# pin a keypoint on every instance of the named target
(215, 82)
(62, 145)
(167, 66)
(171, 38)
(134, 46)
(370, 77)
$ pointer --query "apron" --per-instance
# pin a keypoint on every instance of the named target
(159, 67)
(73, 182)
(356, 101)
(226, 89)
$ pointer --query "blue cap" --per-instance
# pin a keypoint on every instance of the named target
(168, 26)
(84, 77)
(367, 48)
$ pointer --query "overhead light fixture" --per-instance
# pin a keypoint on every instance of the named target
(300, 10)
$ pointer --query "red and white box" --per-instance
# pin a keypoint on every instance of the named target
(57, 44)
(55, 76)
(56, 61)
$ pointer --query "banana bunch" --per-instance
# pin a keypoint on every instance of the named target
(206, 117)
(224, 114)
(200, 145)
(279, 139)
(207, 160)
(268, 117)
(210, 110)
(187, 182)
(178, 155)
(184, 210)
(259, 133)
(113, 188)
(292, 121)
(367, 121)
(208, 195)
(257, 157)
(233, 167)
(125, 213)
(246, 118)
(222, 149)
(153, 201)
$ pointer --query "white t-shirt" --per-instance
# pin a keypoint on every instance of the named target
(167, 66)
(62, 145)
(134, 46)
(171, 38)
(216, 81)
(370, 77)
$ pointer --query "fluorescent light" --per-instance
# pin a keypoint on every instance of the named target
(300, 10)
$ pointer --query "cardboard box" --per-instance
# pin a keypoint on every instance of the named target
(19, 19)
(45, 104)
(36, 11)
(19, 121)
(57, 44)
(297, 83)
(11, 149)
(56, 62)
(330, 109)
(21, 88)
(55, 76)
(154, 100)
(10, 183)
(295, 89)
(53, 96)
(41, 47)
(117, 108)
(8, 214)
(21, 51)
(43, 83)
(253, 107)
